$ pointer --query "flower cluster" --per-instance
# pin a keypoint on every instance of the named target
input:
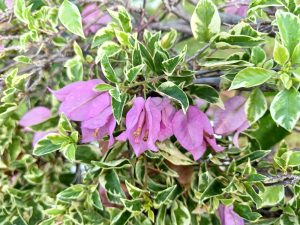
(148, 121)
(93, 109)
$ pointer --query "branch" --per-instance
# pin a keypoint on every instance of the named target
(287, 179)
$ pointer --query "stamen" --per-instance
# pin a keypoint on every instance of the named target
(96, 132)
(140, 124)
(146, 135)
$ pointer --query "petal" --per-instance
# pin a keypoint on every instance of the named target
(99, 120)
(105, 19)
(133, 114)
(80, 106)
(166, 129)
(79, 86)
(35, 116)
(237, 133)
(199, 152)
(209, 133)
(188, 129)
(153, 118)
(229, 217)
(90, 8)
(228, 120)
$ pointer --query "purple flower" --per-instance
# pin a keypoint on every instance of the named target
(194, 131)
(232, 119)
(238, 9)
(93, 19)
(35, 116)
(93, 109)
(228, 216)
(146, 122)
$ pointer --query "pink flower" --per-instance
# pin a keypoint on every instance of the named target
(194, 131)
(232, 119)
(146, 122)
(93, 109)
(228, 216)
(93, 19)
(35, 116)
(9, 4)
(238, 9)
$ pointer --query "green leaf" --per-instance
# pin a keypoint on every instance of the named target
(134, 205)
(180, 214)
(103, 35)
(69, 151)
(123, 18)
(267, 132)
(7, 109)
(214, 188)
(289, 29)
(97, 200)
(109, 49)
(205, 21)
(64, 125)
(78, 50)
(171, 64)
(250, 77)
(103, 87)
(147, 57)
(296, 55)
(163, 197)
(70, 17)
(171, 90)
(19, 9)
(74, 69)
(132, 73)
(122, 218)
(72, 193)
(292, 158)
(256, 105)
(122, 37)
(118, 107)
(115, 164)
(252, 156)
(169, 39)
(285, 108)
(245, 212)
(115, 94)
(109, 179)
(45, 146)
(107, 70)
(23, 59)
(171, 153)
(280, 54)
(134, 191)
(271, 195)
(136, 55)
(205, 92)
(87, 153)
(252, 194)
(258, 55)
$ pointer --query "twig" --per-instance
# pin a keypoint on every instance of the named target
(199, 52)
(284, 179)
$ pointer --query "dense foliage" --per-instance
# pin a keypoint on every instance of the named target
(149, 112)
